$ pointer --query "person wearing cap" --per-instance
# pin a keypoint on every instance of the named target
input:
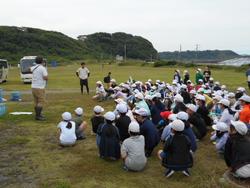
(97, 119)
(177, 76)
(100, 92)
(198, 76)
(179, 105)
(231, 98)
(67, 130)
(186, 77)
(227, 114)
(123, 121)
(83, 73)
(156, 108)
(80, 124)
(109, 139)
(202, 109)
(184, 93)
(237, 153)
(38, 85)
(244, 114)
(148, 130)
(220, 136)
(216, 109)
(167, 129)
(197, 123)
(199, 85)
(183, 116)
(176, 155)
(133, 149)
(140, 103)
(192, 96)
(216, 86)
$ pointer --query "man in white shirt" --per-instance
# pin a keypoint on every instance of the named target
(83, 74)
(39, 79)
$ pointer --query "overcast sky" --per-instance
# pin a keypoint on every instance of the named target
(213, 24)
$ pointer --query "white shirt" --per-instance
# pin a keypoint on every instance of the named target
(83, 73)
(67, 136)
(38, 72)
(226, 117)
(100, 90)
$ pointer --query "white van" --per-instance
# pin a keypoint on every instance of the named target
(4, 70)
(25, 63)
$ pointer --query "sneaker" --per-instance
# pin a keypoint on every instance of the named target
(169, 173)
(186, 173)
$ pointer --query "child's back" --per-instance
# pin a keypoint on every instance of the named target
(96, 121)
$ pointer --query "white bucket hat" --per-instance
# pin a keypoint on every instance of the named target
(142, 112)
(182, 116)
(134, 127)
(192, 107)
(122, 108)
(240, 127)
(79, 111)
(220, 126)
(98, 109)
(66, 116)
(178, 125)
(225, 102)
(109, 116)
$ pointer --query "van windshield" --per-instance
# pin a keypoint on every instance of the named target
(25, 64)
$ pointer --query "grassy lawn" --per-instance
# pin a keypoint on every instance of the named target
(30, 155)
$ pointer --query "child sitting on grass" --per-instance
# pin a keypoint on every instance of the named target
(176, 155)
(67, 130)
(97, 119)
(80, 124)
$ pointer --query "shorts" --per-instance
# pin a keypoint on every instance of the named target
(39, 96)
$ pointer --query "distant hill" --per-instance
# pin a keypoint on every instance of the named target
(208, 55)
(16, 42)
(114, 44)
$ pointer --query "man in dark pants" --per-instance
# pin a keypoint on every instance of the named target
(83, 74)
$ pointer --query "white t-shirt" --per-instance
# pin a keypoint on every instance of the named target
(83, 73)
(68, 136)
(38, 72)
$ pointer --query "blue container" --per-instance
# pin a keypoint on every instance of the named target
(1, 95)
(2, 109)
(53, 64)
(15, 96)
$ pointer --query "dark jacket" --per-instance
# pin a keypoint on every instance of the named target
(109, 141)
(190, 134)
(177, 149)
(150, 133)
(96, 121)
(122, 124)
(237, 152)
(199, 125)
(186, 97)
(155, 110)
(204, 113)
(179, 107)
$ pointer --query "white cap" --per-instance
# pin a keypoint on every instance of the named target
(178, 98)
(192, 107)
(189, 81)
(174, 82)
(240, 127)
(157, 81)
(217, 83)
(178, 125)
(113, 80)
(231, 95)
(149, 97)
(211, 79)
(217, 97)
(149, 80)
(241, 89)
(99, 82)
(172, 117)
(134, 127)
(126, 86)
(153, 87)
(200, 97)
(192, 91)
(117, 88)
(200, 80)
(109, 116)
(220, 126)
(157, 95)
(139, 96)
(66, 116)
(122, 108)
(225, 102)
(98, 109)
(182, 116)
(245, 98)
(119, 100)
(142, 112)
(223, 87)
(79, 111)
(183, 86)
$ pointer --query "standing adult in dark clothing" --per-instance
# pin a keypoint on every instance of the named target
(107, 80)
(206, 74)
(83, 74)
(237, 153)
(109, 145)
(177, 76)
(199, 125)
(202, 109)
(186, 76)
(148, 130)
(122, 123)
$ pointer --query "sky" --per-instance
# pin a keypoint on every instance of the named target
(210, 24)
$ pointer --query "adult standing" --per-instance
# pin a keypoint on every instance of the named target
(248, 76)
(206, 74)
(107, 80)
(39, 79)
(83, 74)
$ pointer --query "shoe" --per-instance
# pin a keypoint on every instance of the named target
(38, 111)
(186, 173)
(169, 173)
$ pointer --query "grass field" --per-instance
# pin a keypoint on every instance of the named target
(30, 155)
